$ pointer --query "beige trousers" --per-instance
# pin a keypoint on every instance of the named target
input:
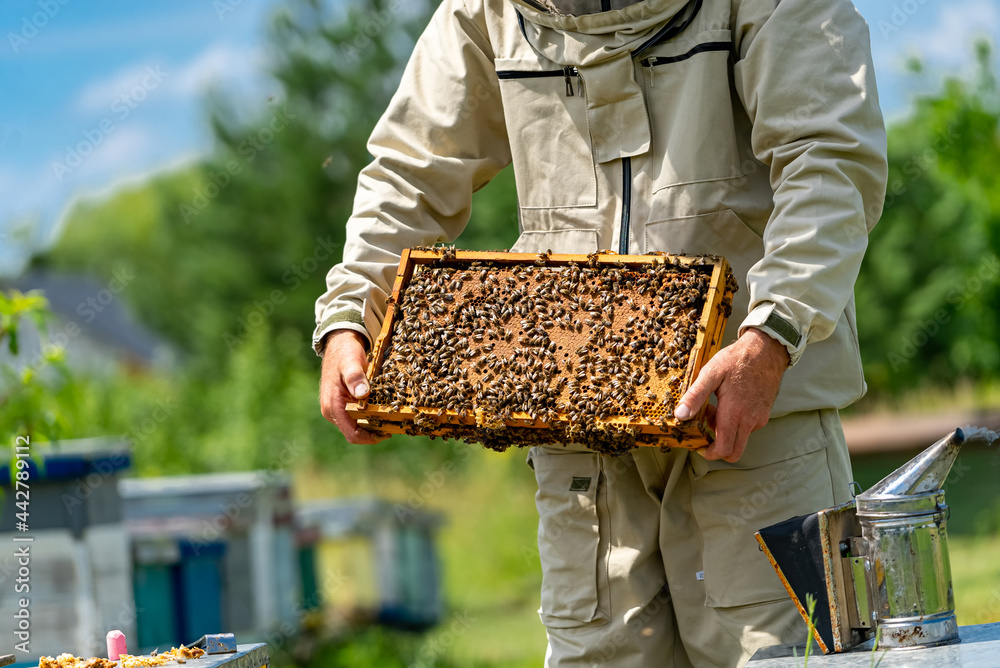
(649, 558)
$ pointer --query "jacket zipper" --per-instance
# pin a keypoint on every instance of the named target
(674, 27)
(623, 233)
(651, 62)
(656, 61)
(567, 73)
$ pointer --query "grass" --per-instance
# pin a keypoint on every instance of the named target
(975, 574)
(492, 575)
(491, 571)
(491, 556)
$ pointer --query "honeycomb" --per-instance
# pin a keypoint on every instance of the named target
(506, 349)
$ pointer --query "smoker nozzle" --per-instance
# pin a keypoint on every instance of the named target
(923, 474)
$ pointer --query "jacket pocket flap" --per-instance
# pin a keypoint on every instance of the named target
(568, 536)
(730, 506)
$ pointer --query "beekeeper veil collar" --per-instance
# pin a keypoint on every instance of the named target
(600, 38)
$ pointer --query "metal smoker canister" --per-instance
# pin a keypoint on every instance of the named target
(903, 526)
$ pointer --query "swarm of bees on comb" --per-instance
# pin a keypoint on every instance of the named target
(591, 349)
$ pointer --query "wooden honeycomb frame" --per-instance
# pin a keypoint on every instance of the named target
(652, 425)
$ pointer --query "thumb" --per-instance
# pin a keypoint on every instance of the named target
(696, 395)
(353, 374)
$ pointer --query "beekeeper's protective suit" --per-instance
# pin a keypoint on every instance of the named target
(748, 129)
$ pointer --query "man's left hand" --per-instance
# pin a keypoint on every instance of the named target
(745, 376)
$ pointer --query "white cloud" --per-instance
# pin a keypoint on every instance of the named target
(220, 64)
(948, 40)
(99, 96)
(24, 197)
(38, 194)
(138, 175)
(130, 147)
(25, 192)
(117, 154)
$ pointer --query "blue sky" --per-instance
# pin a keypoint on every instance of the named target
(129, 80)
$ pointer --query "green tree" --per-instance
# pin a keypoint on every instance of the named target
(930, 285)
(248, 235)
(230, 254)
(38, 395)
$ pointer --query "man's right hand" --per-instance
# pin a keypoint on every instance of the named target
(343, 380)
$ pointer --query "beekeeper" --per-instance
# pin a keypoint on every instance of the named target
(745, 128)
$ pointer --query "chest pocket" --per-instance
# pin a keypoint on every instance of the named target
(690, 103)
(546, 115)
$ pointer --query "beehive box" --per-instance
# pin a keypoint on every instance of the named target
(520, 349)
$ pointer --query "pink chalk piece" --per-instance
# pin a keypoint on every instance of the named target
(116, 645)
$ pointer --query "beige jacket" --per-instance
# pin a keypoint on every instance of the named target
(755, 134)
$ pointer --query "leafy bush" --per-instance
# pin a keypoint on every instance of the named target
(929, 288)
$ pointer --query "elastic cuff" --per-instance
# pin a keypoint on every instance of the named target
(765, 318)
(351, 320)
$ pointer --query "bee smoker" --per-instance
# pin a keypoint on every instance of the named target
(876, 566)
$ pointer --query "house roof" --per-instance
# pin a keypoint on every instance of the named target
(101, 314)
